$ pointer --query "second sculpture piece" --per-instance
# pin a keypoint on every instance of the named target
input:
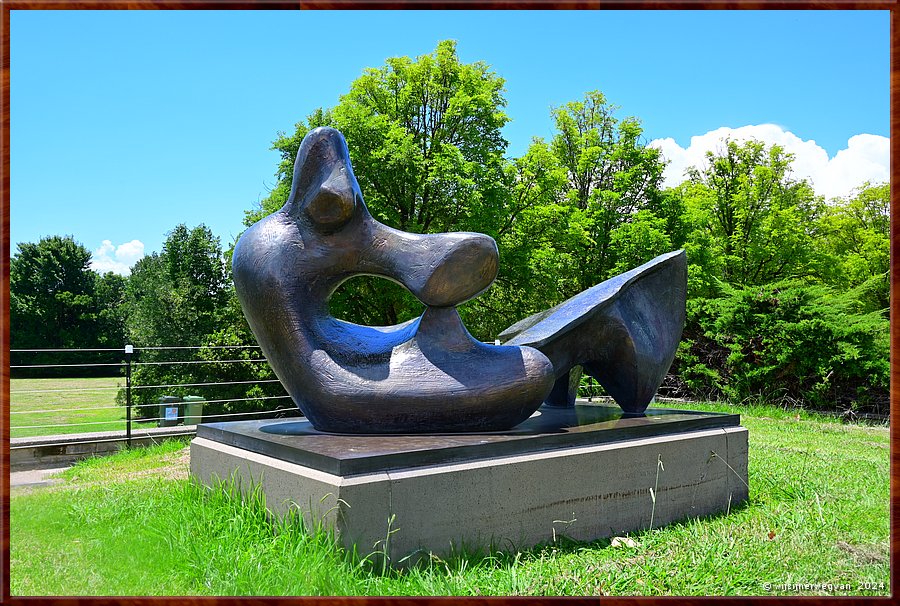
(429, 374)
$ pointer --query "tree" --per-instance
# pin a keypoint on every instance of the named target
(175, 296)
(612, 175)
(174, 299)
(58, 302)
(569, 212)
(532, 239)
(639, 240)
(51, 294)
(760, 323)
(183, 297)
(856, 244)
(760, 222)
(790, 342)
(424, 138)
(425, 142)
(110, 309)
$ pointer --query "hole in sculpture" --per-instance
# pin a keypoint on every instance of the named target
(373, 301)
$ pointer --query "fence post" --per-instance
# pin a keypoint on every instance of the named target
(129, 350)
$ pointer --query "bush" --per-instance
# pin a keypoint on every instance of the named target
(787, 341)
(242, 395)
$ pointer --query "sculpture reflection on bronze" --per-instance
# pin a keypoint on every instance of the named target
(430, 374)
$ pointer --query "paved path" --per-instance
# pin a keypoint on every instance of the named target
(34, 478)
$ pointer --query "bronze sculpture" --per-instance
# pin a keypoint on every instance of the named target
(430, 374)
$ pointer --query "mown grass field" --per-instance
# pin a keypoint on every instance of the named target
(133, 524)
(65, 398)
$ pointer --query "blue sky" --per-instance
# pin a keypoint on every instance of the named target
(124, 124)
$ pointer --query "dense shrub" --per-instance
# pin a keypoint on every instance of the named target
(787, 341)
(245, 387)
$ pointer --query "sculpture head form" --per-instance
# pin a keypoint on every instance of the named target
(441, 270)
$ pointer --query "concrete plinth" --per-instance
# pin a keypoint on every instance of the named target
(585, 474)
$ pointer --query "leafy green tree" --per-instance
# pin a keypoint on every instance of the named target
(533, 243)
(701, 241)
(58, 302)
(612, 174)
(110, 309)
(424, 137)
(51, 294)
(579, 209)
(425, 141)
(759, 321)
(760, 222)
(174, 299)
(855, 242)
(639, 240)
(253, 387)
(175, 296)
(789, 342)
(669, 205)
(748, 223)
(536, 265)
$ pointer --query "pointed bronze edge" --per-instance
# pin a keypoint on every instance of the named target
(576, 310)
(624, 332)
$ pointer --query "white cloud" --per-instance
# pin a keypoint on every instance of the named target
(117, 259)
(866, 158)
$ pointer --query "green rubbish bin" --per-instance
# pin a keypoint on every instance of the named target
(193, 410)
(171, 411)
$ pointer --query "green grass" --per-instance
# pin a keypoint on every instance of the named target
(127, 463)
(132, 524)
(94, 393)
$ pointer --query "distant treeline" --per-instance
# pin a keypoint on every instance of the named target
(787, 292)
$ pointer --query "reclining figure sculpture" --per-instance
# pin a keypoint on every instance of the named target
(430, 374)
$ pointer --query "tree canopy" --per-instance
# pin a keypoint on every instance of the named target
(576, 208)
(761, 223)
(51, 293)
(58, 302)
(425, 142)
(855, 244)
(175, 296)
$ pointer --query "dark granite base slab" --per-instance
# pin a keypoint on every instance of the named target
(296, 441)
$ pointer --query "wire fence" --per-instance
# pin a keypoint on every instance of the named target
(206, 389)
(133, 399)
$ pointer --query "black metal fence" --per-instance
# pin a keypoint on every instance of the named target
(36, 409)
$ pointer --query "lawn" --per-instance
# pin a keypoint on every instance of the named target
(134, 524)
(74, 405)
